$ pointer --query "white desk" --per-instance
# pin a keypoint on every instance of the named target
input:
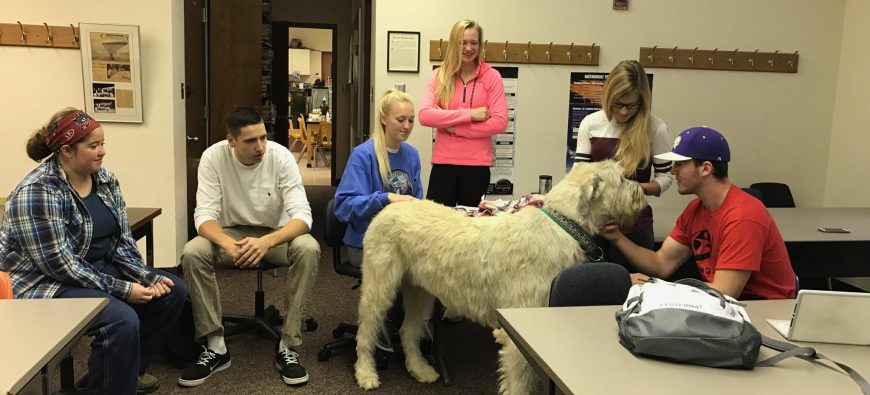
(35, 334)
(813, 254)
(578, 348)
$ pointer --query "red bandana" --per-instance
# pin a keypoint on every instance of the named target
(70, 130)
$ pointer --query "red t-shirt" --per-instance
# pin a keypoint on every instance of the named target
(739, 235)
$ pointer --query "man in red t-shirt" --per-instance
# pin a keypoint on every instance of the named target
(733, 238)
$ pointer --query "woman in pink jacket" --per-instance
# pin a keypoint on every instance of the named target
(466, 105)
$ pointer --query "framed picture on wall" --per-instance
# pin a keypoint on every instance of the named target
(112, 72)
(403, 51)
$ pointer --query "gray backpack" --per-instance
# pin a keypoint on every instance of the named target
(690, 322)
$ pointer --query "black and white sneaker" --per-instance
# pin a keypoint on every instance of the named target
(292, 372)
(209, 363)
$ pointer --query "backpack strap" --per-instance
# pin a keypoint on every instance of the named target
(807, 353)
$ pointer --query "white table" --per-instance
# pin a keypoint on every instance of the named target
(578, 348)
(35, 334)
(813, 254)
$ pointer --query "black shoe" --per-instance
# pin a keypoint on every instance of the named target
(147, 384)
(287, 361)
(209, 363)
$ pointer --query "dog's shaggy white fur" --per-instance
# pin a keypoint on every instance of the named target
(477, 265)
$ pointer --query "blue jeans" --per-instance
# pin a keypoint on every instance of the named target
(126, 337)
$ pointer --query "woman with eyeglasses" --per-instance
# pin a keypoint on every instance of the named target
(626, 130)
(465, 103)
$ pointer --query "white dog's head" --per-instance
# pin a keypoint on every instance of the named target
(594, 194)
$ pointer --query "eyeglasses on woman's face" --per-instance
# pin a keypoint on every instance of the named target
(618, 105)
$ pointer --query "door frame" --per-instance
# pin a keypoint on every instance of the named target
(281, 80)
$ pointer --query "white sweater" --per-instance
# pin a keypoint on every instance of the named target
(269, 193)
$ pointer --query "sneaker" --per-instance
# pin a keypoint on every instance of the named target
(287, 361)
(209, 363)
(147, 384)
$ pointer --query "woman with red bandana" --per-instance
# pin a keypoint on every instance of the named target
(66, 235)
(465, 103)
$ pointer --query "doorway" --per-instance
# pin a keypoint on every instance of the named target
(307, 98)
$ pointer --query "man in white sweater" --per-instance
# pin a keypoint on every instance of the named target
(250, 206)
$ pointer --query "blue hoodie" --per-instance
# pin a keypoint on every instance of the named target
(361, 194)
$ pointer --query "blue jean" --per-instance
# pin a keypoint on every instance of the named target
(126, 337)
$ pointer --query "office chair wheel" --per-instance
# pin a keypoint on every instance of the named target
(272, 316)
(324, 354)
(310, 324)
(337, 333)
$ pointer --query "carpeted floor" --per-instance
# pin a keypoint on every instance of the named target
(469, 349)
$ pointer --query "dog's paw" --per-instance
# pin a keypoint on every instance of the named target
(367, 380)
(423, 372)
(500, 336)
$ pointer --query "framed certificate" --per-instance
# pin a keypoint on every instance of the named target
(403, 52)
(112, 72)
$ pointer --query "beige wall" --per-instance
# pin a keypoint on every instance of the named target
(847, 184)
(148, 158)
(778, 125)
(318, 39)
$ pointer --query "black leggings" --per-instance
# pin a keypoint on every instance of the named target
(453, 185)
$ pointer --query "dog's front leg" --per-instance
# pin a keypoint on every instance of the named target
(517, 377)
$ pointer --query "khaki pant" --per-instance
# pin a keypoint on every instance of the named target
(200, 258)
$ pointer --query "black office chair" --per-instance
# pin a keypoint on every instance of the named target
(333, 235)
(754, 192)
(774, 194)
(590, 284)
(265, 319)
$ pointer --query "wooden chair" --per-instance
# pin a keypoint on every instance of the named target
(324, 142)
(306, 140)
(295, 136)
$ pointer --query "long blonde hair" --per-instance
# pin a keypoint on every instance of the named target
(633, 151)
(453, 59)
(379, 138)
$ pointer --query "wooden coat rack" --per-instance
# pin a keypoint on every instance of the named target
(42, 35)
(528, 53)
(716, 59)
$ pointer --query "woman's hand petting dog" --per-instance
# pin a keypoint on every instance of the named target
(396, 198)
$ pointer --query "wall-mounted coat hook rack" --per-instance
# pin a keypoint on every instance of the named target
(734, 60)
(42, 35)
(527, 52)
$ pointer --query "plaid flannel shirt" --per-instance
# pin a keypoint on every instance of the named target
(47, 231)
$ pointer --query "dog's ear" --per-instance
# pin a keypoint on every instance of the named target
(595, 185)
(607, 173)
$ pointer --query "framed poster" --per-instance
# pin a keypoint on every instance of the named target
(403, 51)
(112, 72)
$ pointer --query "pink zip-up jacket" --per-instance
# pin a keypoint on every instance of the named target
(471, 144)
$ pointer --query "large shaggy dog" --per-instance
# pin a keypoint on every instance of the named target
(477, 265)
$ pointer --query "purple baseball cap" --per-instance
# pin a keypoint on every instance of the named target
(699, 143)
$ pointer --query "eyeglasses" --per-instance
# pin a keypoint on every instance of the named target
(631, 106)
